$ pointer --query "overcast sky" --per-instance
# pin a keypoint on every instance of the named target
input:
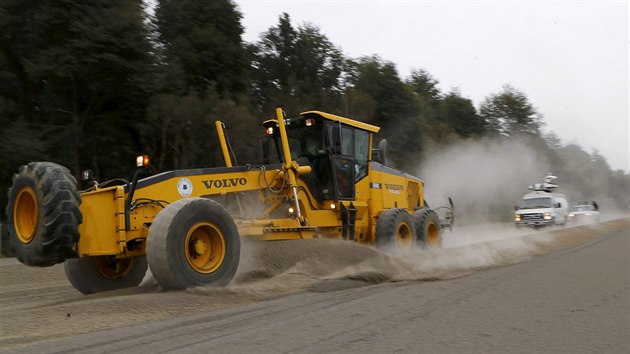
(569, 58)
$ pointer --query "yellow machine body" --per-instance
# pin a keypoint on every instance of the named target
(273, 201)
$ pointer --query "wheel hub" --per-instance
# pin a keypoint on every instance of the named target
(205, 247)
(25, 215)
(113, 268)
(200, 247)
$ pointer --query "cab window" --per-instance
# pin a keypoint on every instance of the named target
(347, 146)
(361, 149)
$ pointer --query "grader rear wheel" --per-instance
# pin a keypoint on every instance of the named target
(395, 231)
(192, 242)
(428, 229)
(43, 214)
(104, 273)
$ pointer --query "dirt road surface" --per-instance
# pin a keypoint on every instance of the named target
(494, 291)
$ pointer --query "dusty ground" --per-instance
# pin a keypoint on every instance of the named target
(323, 296)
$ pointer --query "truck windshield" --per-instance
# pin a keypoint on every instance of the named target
(534, 203)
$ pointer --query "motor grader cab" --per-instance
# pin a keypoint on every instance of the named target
(337, 153)
(318, 180)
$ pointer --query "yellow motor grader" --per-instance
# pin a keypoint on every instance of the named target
(320, 178)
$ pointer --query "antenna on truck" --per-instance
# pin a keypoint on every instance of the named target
(547, 186)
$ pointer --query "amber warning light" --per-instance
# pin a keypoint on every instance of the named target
(142, 161)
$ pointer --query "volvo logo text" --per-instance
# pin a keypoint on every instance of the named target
(223, 183)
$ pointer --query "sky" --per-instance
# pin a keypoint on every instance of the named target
(569, 58)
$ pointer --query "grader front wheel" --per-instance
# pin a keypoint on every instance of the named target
(43, 214)
(193, 242)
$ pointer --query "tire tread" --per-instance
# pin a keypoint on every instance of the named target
(387, 224)
(59, 202)
(420, 219)
(167, 266)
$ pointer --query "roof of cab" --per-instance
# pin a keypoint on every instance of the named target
(348, 121)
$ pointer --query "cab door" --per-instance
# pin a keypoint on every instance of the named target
(341, 147)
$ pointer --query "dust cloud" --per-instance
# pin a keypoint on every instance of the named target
(274, 268)
(485, 178)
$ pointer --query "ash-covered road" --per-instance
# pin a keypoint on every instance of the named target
(561, 291)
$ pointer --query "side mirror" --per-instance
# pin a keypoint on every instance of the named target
(382, 148)
(557, 205)
(516, 207)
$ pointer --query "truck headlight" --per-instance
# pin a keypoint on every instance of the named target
(517, 217)
(571, 215)
(547, 215)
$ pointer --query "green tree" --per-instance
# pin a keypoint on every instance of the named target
(296, 68)
(460, 114)
(202, 77)
(424, 85)
(552, 140)
(76, 77)
(395, 108)
(510, 113)
(380, 80)
(203, 39)
(20, 141)
(180, 131)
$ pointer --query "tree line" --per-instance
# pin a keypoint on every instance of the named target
(92, 84)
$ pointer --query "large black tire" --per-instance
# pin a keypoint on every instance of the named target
(428, 229)
(104, 273)
(43, 214)
(193, 242)
(395, 231)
